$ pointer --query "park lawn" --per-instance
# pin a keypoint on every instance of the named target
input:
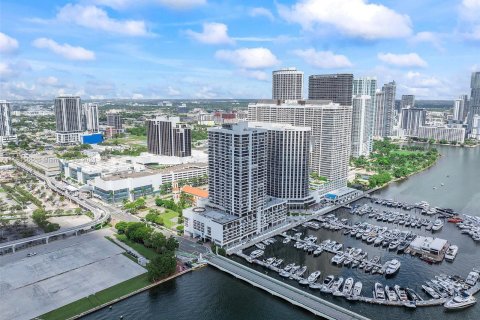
(167, 216)
(140, 248)
(98, 298)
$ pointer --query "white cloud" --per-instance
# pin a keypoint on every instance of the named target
(172, 4)
(356, 18)
(402, 60)
(12, 69)
(248, 58)
(206, 92)
(213, 33)
(137, 96)
(172, 91)
(261, 12)
(323, 59)
(255, 74)
(7, 43)
(48, 81)
(95, 18)
(428, 37)
(181, 4)
(65, 50)
(470, 10)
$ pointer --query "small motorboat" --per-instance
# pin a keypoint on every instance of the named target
(347, 287)
(327, 284)
(451, 253)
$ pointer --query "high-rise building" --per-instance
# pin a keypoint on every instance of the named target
(288, 159)
(408, 101)
(238, 207)
(384, 110)
(334, 87)
(362, 126)
(287, 84)
(365, 86)
(411, 119)
(466, 103)
(237, 158)
(331, 126)
(459, 109)
(69, 119)
(6, 130)
(169, 137)
(90, 114)
(114, 120)
(474, 103)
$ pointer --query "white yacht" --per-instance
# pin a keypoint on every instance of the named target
(256, 253)
(357, 289)
(379, 292)
(451, 253)
(472, 278)
(327, 284)
(347, 287)
(461, 301)
(338, 259)
(286, 240)
(312, 278)
(392, 267)
(437, 225)
(260, 246)
(336, 286)
(391, 295)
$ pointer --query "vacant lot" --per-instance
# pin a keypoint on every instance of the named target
(61, 273)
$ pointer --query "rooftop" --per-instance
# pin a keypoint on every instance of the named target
(214, 214)
(195, 191)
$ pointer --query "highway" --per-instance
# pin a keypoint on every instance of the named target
(100, 213)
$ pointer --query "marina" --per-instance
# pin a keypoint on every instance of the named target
(408, 230)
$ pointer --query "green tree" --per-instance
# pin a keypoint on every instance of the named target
(161, 266)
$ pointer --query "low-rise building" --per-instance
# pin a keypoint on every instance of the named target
(48, 164)
(132, 185)
(449, 134)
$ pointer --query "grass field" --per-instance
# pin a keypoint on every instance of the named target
(97, 299)
(140, 248)
(167, 216)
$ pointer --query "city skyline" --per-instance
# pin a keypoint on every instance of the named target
(192, 49)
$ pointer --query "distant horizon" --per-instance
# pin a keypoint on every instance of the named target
(205, 49)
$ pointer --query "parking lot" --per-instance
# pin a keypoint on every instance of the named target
(60, 273)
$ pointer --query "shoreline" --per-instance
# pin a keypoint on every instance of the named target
(123, 297)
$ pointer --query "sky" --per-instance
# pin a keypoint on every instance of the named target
(212, 49)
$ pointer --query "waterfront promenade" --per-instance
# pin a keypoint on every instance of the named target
(282, 290)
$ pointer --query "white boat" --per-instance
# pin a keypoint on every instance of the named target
(472, 278)
(336, 286)
(431, 292)
(300, 272)
(260, 246)
(256, 253)
(357, 289)
(437, 225)
(327, 284)
(392, 267)
(379, 292)
(451, 253)
(318, 251)
(347, 287)
(402, 294)
(338, 259)
(461, 301)
(312, 278)
(286, 240)
(391, 295)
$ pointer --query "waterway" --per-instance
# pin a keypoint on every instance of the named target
(211, 294)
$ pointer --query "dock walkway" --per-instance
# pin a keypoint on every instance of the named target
(277, 288)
